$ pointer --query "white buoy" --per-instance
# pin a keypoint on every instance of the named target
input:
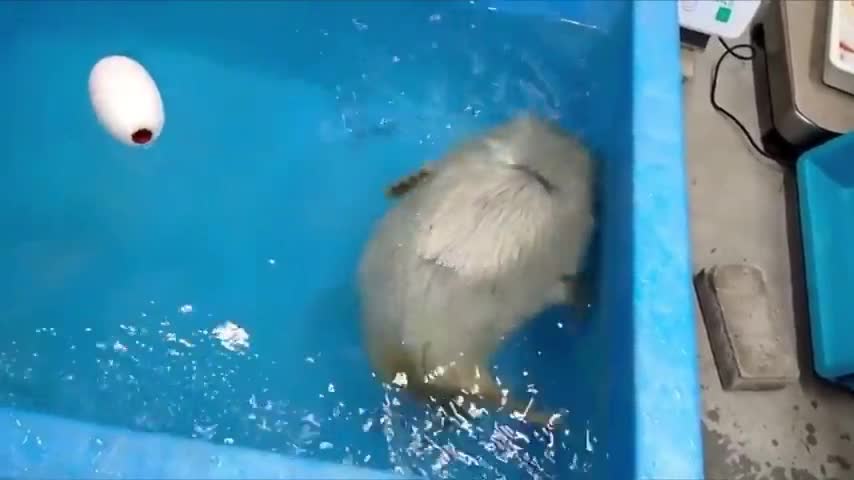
(126, 100)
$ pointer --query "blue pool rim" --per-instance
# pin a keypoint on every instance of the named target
(667, 395)
(667, 439)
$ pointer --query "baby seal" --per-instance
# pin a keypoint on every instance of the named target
(478, 243)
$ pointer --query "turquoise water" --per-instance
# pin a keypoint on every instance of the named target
(284, 124)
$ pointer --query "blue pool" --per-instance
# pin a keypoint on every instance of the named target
(285, 121)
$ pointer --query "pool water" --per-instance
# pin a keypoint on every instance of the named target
(285, 122)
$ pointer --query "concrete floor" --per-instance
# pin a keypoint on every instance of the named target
(739, 215)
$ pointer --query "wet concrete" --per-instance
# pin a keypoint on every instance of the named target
(739, 215)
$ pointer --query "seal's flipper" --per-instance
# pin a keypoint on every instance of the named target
(583, 295)
(573, 290)
(482, 392)
(565, 291)
(461, 386)
(494, 398)
(529, 414)
(408, 183)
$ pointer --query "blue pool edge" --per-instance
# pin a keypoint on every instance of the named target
(668, 441)
(41, 446)
(813, 279)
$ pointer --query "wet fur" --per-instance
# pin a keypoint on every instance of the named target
(479, 243)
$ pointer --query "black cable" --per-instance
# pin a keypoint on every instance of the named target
(713, 91)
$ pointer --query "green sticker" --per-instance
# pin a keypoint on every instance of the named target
(723, 14)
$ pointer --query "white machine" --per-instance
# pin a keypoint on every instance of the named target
(839, 54)
(722, 18)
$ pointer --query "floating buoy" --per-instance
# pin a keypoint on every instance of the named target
(126, 100)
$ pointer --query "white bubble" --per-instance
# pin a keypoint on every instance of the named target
(231, 336)
(400, 379)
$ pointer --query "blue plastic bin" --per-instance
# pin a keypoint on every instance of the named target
(284, 123)
(825, 185)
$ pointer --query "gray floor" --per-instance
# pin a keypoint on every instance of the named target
(739, 215)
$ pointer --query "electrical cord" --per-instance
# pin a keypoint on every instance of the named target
(714, 88)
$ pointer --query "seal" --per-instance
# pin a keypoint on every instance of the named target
(478, 244)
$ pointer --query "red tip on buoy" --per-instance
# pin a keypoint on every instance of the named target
(126, 101)
(141, 136)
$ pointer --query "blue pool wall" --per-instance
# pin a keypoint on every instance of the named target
(645, 342)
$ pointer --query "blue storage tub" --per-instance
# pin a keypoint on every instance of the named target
(284, 123)
(825, 189)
